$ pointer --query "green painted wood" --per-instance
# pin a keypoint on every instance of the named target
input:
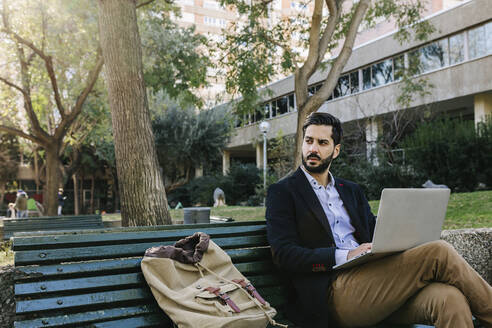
(45, 287)
(88, 317)
(117, 281)
(112, 251)
(122, 237)
(30, 225)
(196, 227)
(96, 298)
(111, 265)
(152, 320)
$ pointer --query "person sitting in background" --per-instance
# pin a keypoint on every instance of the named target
(21, 204)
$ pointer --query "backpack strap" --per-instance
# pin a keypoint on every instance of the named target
(251, 289)
(224, 297)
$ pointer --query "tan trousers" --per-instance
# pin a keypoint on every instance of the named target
(429, 284)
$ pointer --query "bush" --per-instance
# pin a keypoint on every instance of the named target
(238, 187)
(374, 178)
(452, 152)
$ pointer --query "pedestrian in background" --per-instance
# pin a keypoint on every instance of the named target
(61, 200)
(21, 204)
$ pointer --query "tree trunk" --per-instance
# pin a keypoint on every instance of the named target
(301, 117)
(76, 208)
(53, 180)
(92, 194)
(143, 198)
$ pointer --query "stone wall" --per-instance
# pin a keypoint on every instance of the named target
(7, 303)
(475, 245)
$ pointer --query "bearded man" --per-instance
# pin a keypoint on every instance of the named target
(316, 221)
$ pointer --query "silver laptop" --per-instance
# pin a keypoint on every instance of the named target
(406, 218)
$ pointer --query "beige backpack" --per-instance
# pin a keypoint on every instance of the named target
(197, 285)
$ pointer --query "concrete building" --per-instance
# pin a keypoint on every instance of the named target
(457, 60)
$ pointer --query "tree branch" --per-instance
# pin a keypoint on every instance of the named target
(145, 3)
(310, 63)
(48, 61)
(21, 134)
(15, 86)
(62, 128)
(333, 19)
(317, 99)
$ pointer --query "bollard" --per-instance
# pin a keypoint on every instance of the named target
(196, 215)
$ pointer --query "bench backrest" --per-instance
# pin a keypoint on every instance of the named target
(50, 223)
(93, 278)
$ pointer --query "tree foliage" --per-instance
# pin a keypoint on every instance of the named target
(187, 139)
(258, 46)
(175, 60)
(52, 64)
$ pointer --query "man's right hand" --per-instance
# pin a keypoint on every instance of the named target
(363, 248)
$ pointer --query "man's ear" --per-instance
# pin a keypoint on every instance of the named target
(336, 151)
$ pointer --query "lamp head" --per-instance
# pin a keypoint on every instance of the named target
(264, 126)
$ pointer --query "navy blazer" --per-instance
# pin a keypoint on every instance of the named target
(302, 242)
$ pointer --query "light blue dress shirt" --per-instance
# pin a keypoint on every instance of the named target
(338, 218)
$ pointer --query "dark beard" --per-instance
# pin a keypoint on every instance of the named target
(321, 168)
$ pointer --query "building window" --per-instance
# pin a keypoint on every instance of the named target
(366, 78)
(274, 108)
(282, 105)
(343, 87)
(488, 33)
(211, 4)
(456, 48)
(477, 45)
(429, 57)
(354, 82)
(292, 103)
(382, 73)
(398, 67)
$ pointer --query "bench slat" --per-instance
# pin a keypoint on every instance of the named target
(152, 320)
(87, 317)
(110, 238)
(97, 298)
(126, 250)
(101, 266)
(118, 281)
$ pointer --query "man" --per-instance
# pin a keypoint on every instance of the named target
(315, 221)
(61, 201)
(21, 204)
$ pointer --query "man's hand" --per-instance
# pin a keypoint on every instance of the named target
(363, 248)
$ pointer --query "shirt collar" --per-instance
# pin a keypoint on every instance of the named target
(314, 184)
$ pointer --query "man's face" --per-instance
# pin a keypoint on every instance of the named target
(318, 148)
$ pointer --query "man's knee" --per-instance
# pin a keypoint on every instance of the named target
(439, 248)
(443, 303)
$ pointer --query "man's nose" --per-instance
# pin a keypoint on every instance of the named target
(313, 148)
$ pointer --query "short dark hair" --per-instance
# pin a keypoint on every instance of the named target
(318, 118)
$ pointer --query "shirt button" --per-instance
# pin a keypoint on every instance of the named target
(329, 204)
(337, 221)
(342, 241)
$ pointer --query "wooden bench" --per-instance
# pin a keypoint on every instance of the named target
(93, 278)
(50, 223)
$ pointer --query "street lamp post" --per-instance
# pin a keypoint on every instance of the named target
(264, 127)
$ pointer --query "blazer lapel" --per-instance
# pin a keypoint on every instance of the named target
(309, 196)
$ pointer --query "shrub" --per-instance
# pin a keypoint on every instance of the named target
(373, 178)
(238, 187)
(452, 152)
